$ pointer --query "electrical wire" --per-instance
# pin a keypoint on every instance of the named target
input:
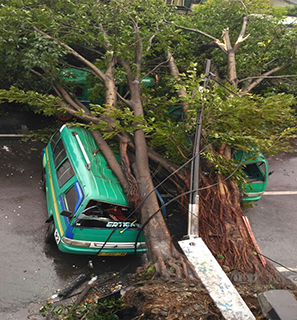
(219, 83)
(166, 204)
(248, 247)
(176, 198)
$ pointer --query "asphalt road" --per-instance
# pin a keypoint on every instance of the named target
(31, 271)
(274, 217)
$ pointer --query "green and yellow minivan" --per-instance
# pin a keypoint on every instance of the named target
(255, 167)
(88, 212)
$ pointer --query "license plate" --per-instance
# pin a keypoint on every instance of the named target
(117, 254)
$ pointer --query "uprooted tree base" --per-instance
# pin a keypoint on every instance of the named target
(222, 228)
(224, 231)
(155, 299)
(160, 300)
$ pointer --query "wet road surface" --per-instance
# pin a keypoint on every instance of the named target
(31, 271)
(274, 217)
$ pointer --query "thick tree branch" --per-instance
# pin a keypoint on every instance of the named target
(65, 95)
(226, 38)
(130, 80)
(198, 31)
(215, 40)
(176, 74)
(241, 38)
(261, 78)
(96, 70)
(269, 77)
(139, 50)
(74, 113)
(112, 161)
(37, 73)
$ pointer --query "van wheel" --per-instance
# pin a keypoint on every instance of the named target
(49, 235)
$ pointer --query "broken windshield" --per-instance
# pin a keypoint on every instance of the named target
(105, 215)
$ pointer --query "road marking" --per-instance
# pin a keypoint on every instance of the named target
(282, 269)
(11, 135)
(291, 274)
(279, 193)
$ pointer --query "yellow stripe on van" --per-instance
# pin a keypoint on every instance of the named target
(53, 193)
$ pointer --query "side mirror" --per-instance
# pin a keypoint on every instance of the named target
(67, 214)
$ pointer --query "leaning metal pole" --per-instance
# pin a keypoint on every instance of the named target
(193, 223)
(215, 280)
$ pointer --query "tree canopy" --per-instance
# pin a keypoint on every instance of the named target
(247, 107)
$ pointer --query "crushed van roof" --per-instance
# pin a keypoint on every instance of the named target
(98, 181)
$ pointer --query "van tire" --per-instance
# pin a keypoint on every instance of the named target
(49, 235)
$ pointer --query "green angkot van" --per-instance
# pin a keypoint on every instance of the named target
(255, 166)
(256, 170)
(79, 78)
(87, 208)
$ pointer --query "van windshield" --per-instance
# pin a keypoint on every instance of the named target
(256, 171)
(104, 215)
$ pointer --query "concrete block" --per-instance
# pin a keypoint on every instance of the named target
(278, 305)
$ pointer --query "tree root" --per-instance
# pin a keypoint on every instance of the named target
(176, 268)
(224, 232)
(160, 300)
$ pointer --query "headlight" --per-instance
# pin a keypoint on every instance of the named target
(141, 245)
(76, 243)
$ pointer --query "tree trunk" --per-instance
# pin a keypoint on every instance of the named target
(161, 251)
(112, 161)
(176, 74)
(224, 232)
(232, 74)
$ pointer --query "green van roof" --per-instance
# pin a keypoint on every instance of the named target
(93, 173)
(248, 157)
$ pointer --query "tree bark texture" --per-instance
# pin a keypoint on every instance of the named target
(224, 232)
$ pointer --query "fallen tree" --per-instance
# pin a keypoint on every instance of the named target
(123, 38)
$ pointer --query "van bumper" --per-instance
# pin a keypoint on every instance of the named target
(110, 249)
(252, 196)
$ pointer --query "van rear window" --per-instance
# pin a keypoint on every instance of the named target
(255, 171)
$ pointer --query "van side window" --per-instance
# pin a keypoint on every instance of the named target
(79, 92)
(71, 199)
(59, 153)
(64, 172)
(55, 138)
